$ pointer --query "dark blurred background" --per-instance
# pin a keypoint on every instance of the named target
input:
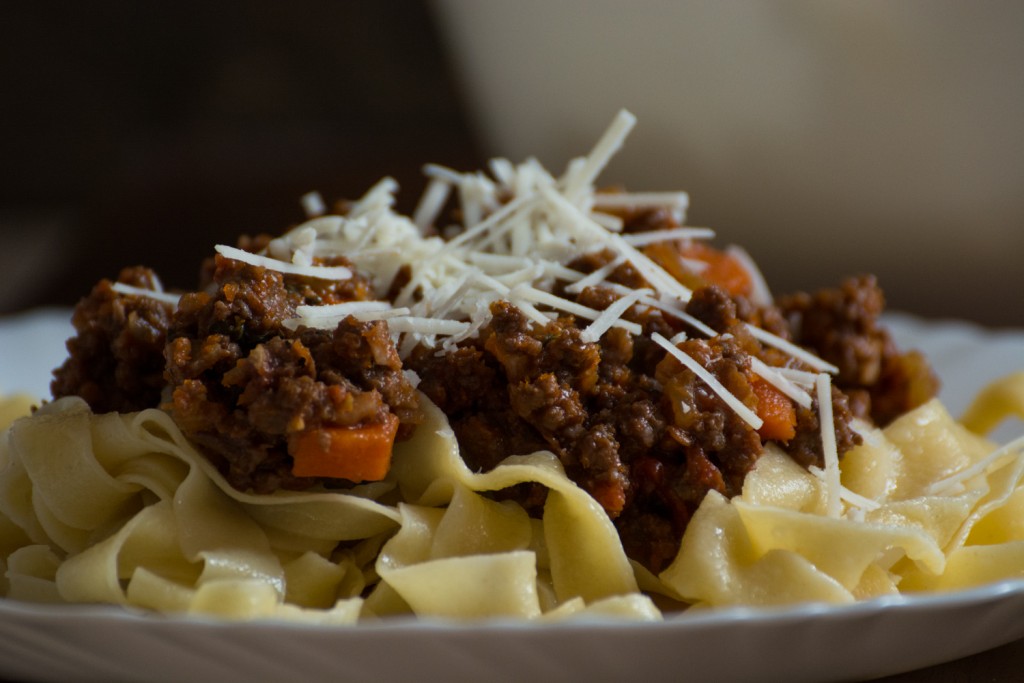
(138, 132)
(829, 139)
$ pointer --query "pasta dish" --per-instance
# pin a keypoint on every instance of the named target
(532, 398)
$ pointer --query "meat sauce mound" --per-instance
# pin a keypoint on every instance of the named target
(243, 387)
(240, 384)
(116, 358)
(632, 425)
(842, 326)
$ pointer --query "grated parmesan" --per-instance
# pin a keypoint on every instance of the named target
(610, 316)
(769, 339)
(737, 406)
(519, 228)
(638, 239)
(318, 272)
(779, 381)
(157, 295)
(833, 493)
(313, 204)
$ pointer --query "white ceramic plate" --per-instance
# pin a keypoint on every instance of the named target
(804, 643)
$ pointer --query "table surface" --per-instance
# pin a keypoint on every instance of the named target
(993, 666)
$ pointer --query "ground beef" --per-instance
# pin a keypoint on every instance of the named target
(612, 411)
(311, 291)
(806, 447)
(115, 359)
(716, 309)
(842, 326)
(244, 385)
(632, 425)
(624, 274)
(520, 388)
(702, 422)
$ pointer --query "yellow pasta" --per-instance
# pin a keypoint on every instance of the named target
(942, 510)
(158, 528)
(120, 509)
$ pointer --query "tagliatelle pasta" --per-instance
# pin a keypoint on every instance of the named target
(916, 528)
(120, 509)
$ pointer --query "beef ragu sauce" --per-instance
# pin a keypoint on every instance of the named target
(277, 399)
(244, 387)
(641, 433)
(632, 426)
(239, 384)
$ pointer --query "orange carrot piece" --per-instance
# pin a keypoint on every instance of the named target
(360, 453)
(611, 496)
(776, 411)
(723, 269)
(668, 256)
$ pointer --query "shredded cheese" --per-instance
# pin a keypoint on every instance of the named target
(833, 501)
(596, 277)
(520, 227)
(638, 239)
(769, 339)
(639, 200)
(524, 292)
(583, 175)
(859, 503)
(801, 378)
(737, 406)
(157, 295)
(760, 295)
(779, 381)
(431, 203)
(1008, 451)
(318, 272)
(342, 309)
(313, 204)
(610, 316)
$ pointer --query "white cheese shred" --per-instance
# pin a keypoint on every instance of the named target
(833, 493)
(342, 309)
(318, 272)
(801, 378)
(606, 147)
(638, 239)
(779, 381)
(596, 277)
(313, 204)
(610, 316)
(737, 406)
(859, 503)
(431, 203)
(1013, 449)
(519, 228)
(769, 339)
(161, 296)
(641, 200)
(523, 292)
(760, 294)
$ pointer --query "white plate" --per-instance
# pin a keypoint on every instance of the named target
(803, 643)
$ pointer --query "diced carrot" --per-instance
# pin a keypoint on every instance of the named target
(721, 268)
(361, 453)
(776, 411)
(666, 255)
(611, 496)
